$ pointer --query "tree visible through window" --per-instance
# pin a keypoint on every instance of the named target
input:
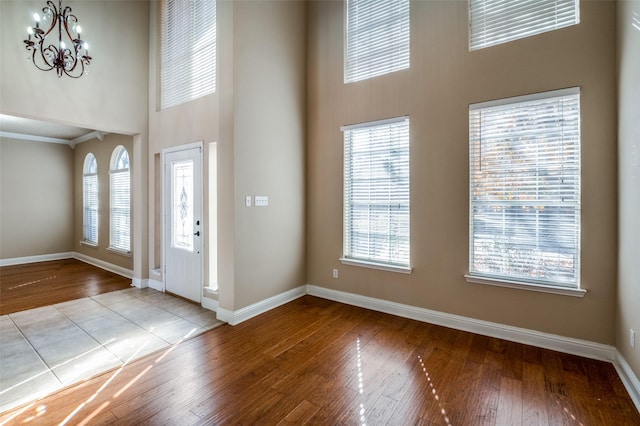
(120, 201)
(90, 199)
(525, 189)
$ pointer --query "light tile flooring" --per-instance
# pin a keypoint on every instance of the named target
(46, 349)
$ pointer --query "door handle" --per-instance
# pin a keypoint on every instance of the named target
(197, 233)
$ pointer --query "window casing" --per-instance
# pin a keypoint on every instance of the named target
(120, 201)
(90, 200)
(188, 51)
(525, 189)
(376, 194)
(493, 22)
(377, 38)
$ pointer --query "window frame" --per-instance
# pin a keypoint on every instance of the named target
(90, 183)
(390, 56)
(181, 79)
(509, 20)
(115, 171)
(505, 279)
(348, 257)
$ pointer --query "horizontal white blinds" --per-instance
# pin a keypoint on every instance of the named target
(525, 190)
(493, 22)
(90, 201)
(377, 38)
(188, 51)
(376, 192)
(120, 230)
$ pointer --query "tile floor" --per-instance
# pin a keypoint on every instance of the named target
(46, 349)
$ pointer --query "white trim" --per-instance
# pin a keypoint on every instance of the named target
(140, 282)
(156, 285)
(128, 273)
(209, 303)
(243, 314)
(568, 345)
(526, 98)
(629, 379)
(375, 123)
(565, 291)
(37, 258)
(374, 265)
(33, 138)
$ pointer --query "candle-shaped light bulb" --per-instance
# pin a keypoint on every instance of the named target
(78, 29)
(36, 18)
(62, 45)
(30, 30)
(86, 46)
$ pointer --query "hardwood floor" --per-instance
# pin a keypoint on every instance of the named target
(313, 361)
(34, 285)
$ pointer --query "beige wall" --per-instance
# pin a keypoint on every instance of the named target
(629, 181)
(435, 92)
(256, 117)
(112, 97)
(36, 198)
(102, 149)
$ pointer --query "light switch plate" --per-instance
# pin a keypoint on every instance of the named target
(261, 201)
(247, 201)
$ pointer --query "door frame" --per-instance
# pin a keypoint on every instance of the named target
(169, 150)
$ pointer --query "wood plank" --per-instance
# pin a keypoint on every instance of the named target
(40, 284)
(298, 364)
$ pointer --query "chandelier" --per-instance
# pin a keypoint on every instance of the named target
(65, 53)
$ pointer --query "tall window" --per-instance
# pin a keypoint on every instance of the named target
(493, 22)
(120, 201)
(377, 39)
(90, 199)
(376, 194)
(525, 189)
(188, 51)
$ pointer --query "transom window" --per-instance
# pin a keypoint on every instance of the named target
(525, 189)
(376, 194)
(120, 201)
(188, 51)
(90, 200)
(377, 38)
(494, 22)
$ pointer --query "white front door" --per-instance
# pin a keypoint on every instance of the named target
(183, 221)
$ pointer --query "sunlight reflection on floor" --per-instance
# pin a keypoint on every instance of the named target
(434, 392)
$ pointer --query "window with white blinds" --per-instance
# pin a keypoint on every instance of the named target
(120, 201)
(377, 38)
(188, 51)
(90, 200)
(494, 22)
(376, 193)
(525, 189)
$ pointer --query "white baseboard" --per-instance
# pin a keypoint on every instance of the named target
(127, 273)
(209, 303)
(34, 259)
(236, 317)
(156, 285)
(629, 379)
(554, 342)
(140, 282)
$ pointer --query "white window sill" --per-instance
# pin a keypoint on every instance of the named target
(118, 251)
(88, 243)
(374, 265)
(565, 291)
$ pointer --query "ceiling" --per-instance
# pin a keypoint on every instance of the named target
(43, 131)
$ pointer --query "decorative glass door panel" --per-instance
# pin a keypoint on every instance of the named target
(182, 205)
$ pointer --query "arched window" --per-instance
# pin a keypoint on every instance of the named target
(120, 201)
(90, 200)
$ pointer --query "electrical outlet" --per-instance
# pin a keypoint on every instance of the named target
(335, 273)
(632, 338)
(247, 201)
